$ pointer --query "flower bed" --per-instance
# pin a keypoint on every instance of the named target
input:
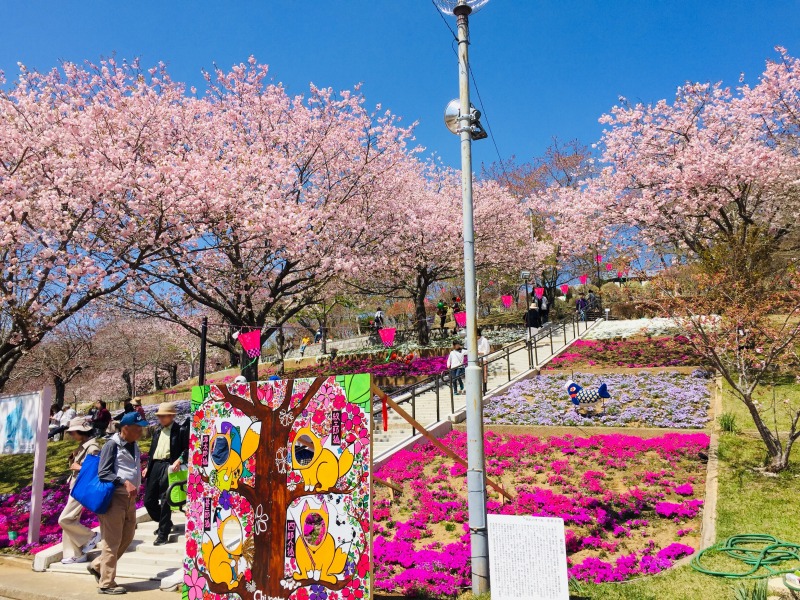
(418, 367)
(657, 326)
(657, 352)
(15, 509)
(631, 506)
(646, 399)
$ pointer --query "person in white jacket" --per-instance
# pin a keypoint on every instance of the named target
(455, 363)
(483, 351)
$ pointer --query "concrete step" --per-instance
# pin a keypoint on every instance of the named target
(125, 570)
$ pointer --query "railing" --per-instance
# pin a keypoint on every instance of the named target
(567, 329)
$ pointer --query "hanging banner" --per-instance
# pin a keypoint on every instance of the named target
(507, 301)
(539, 291)
(460, 318)
(279, 493)
(387, 336)
(599, 258)
(564, 289)
(251, 342)
(609, 266)
(584, 279)
(19, 422)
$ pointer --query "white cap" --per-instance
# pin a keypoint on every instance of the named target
(240, 379)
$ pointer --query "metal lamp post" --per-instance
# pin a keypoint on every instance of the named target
(465, 122)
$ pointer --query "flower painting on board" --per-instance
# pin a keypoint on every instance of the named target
(279, 490)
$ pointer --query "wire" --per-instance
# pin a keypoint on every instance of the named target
(477, 91)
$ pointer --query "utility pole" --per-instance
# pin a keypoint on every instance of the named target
(476, 476)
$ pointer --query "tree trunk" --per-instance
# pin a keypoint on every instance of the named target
(8, 360)
(775, 453)
(156, 381)
(126, 377)
(420, 316)
(323, 327)
(60, 387)
(249, 366)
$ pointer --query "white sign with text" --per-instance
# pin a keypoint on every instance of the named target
(527, 558)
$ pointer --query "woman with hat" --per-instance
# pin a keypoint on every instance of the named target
(77, 540)
(168, 451)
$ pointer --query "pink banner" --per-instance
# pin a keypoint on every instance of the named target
(507, 301)
(387, 336)
(584, 279)
(609, 266)
(599, 258)
(461, 318)
(564, 289)
(539, 291)
(619, 274)
(251, 342)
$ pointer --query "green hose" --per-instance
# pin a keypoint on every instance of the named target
(755, 550)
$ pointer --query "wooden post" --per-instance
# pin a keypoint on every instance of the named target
(39, 465)
(432, 438)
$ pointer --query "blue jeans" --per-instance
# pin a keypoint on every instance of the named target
(457, 379)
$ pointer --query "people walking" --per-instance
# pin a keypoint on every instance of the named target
(544, 309)
(455, 363)
(484, 348)
(441, 311)
(303, 345)
(77, 539)
(379, 319)
(120, 464)
(580, 307)
(168, 451)
(113, 425)
(101, 418)
(532, 320)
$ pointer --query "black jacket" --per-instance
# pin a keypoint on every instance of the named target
(532, 318)
(178, 444)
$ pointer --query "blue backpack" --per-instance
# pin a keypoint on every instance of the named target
(89, 490)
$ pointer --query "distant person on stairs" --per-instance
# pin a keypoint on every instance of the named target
(484, 349)
(455, 363)
(168, 451)
(532, 320)
(77, 540)
(120, 464)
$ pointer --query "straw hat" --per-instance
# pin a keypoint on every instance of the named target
(166, 408)
(79, 424)
(136, 401)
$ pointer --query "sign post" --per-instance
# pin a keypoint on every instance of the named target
(527, 558)
(39, 465)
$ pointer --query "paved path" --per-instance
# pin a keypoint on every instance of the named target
(428, 407)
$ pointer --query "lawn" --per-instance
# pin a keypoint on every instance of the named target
(784, 388)
(638, 399)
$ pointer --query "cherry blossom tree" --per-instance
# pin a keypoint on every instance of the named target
(423, 242)
(290, 184)
(710, 180)
(93, 159)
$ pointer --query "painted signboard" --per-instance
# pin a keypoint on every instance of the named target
(279, 490)
(19, 421)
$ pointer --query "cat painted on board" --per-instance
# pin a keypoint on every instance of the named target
(319, 466)
(316, 553)
(229, 453)
(223, 561)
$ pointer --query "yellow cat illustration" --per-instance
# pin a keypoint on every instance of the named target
(317, 556)
(319, 466)
(229, 452)
(222, 561)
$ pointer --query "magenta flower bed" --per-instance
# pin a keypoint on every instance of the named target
(15, 508)
(655, 352)
(418, 367)
(631, 506)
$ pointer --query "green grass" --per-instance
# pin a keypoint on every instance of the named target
(786, 388)
(16, 470)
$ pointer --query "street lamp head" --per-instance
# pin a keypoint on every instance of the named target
(453, 120)
(451, 7)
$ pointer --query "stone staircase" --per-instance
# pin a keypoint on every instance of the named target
(143, 560)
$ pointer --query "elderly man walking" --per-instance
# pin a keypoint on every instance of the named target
(120, 464)
(168, 451)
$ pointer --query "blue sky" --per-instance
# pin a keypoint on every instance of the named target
(544, 67)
